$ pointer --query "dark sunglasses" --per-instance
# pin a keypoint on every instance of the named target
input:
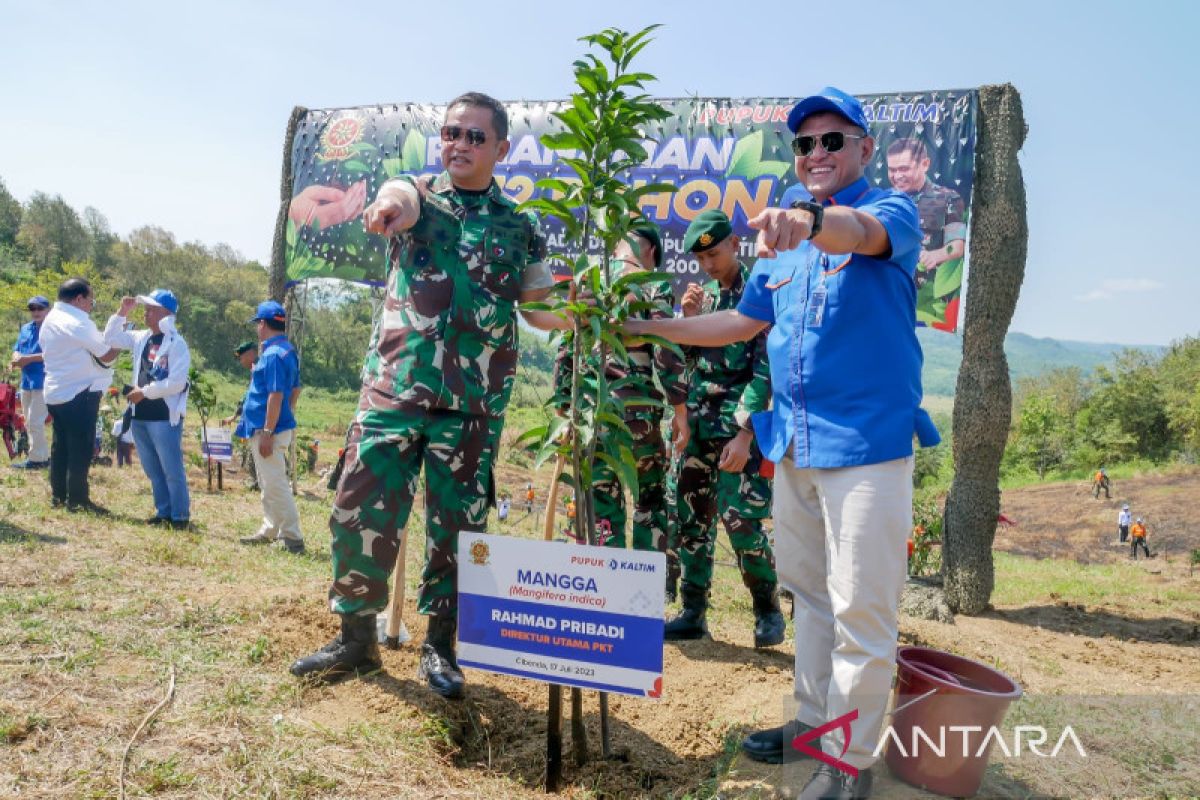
(831, 142)
(474, 136)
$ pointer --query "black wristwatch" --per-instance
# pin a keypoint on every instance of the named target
(818, 214)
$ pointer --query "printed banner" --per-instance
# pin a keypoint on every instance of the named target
(574, 615)
(732, 154)
(217, 444)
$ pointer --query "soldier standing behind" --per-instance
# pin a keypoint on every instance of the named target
(940, 208)
(720, 471)
(646, 362)
(437, 379)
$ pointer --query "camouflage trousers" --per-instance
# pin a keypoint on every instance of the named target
(385, 450)
(672, 500)
(650, 510)
(744, 501)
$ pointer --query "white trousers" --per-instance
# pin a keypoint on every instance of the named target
(281, 520)
(840, 547)
(33, 408)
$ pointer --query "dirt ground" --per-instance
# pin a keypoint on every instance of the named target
(1065, 520)
(95, 611)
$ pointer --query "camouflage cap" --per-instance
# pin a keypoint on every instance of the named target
(707, 230)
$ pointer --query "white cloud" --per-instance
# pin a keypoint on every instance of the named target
(1112, 287)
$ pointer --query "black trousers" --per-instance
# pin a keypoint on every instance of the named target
(74, 442)
(1138, 542)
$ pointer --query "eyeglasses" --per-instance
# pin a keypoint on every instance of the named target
(474, 136)
(831, 142)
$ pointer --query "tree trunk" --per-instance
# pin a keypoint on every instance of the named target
(278, 269)
(983, 397)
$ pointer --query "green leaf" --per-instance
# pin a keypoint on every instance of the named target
(925, 300)
(776, 169)
(746, 154)
(562, 141)
(609, 338)
(948, 277)
(413, 154)
(291, 233)
(533, 434)
(628, 281)
(661, 342)
(393, 167)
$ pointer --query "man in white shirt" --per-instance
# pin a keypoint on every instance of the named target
(78, 370)
(160, 387)
(1124, 520)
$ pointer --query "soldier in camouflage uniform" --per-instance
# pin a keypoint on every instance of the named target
(942, 211)
(646, 362)
(436, 381)
(720, 471)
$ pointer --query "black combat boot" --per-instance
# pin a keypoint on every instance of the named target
(690, 622)
(769, 626)
(672, 593)
(354, 651)
(439, 667)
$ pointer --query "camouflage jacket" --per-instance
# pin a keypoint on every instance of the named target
(727, 384)
(447, 338)
(645, 363)
(942, 215)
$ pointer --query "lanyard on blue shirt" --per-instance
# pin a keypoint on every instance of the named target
(816, 304)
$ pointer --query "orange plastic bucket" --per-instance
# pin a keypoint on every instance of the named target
(945, 707)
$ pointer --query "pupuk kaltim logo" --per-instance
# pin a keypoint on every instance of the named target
(801, 743)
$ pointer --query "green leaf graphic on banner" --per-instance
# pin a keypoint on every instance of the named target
(925, 302)
(747, 162)
(291, 234)
(948, 278)
(393, 166)
(745, 154)
(413, 154)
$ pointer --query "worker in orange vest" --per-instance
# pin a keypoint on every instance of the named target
(1101, 482)
(1138, 532)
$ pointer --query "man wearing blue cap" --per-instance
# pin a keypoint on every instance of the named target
(268, 423)
(27, 356)
(161, 360)
(835, 282)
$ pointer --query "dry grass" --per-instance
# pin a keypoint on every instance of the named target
(94, 612)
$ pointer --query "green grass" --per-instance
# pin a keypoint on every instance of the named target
(1023, 581)
(1132, 469)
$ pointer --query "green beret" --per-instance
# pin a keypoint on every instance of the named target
(707, 230)
(244, 347)
(649, 231)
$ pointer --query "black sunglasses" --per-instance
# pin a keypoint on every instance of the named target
(474, 136)
(831, 142)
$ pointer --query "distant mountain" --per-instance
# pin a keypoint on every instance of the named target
(1027, 356)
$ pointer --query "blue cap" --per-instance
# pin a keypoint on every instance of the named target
(828, 99)
(163, 298)
(269, 309)
(39, 301)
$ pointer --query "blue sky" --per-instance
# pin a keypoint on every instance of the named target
(174, 114)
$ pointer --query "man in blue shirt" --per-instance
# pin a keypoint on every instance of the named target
(835, 280)
(27, 356)
(268, 423)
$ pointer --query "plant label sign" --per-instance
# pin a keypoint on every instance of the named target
(575, 615)
(217, 445)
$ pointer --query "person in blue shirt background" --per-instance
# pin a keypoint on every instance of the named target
(27, 356)
(835, 279)
(268, 423)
